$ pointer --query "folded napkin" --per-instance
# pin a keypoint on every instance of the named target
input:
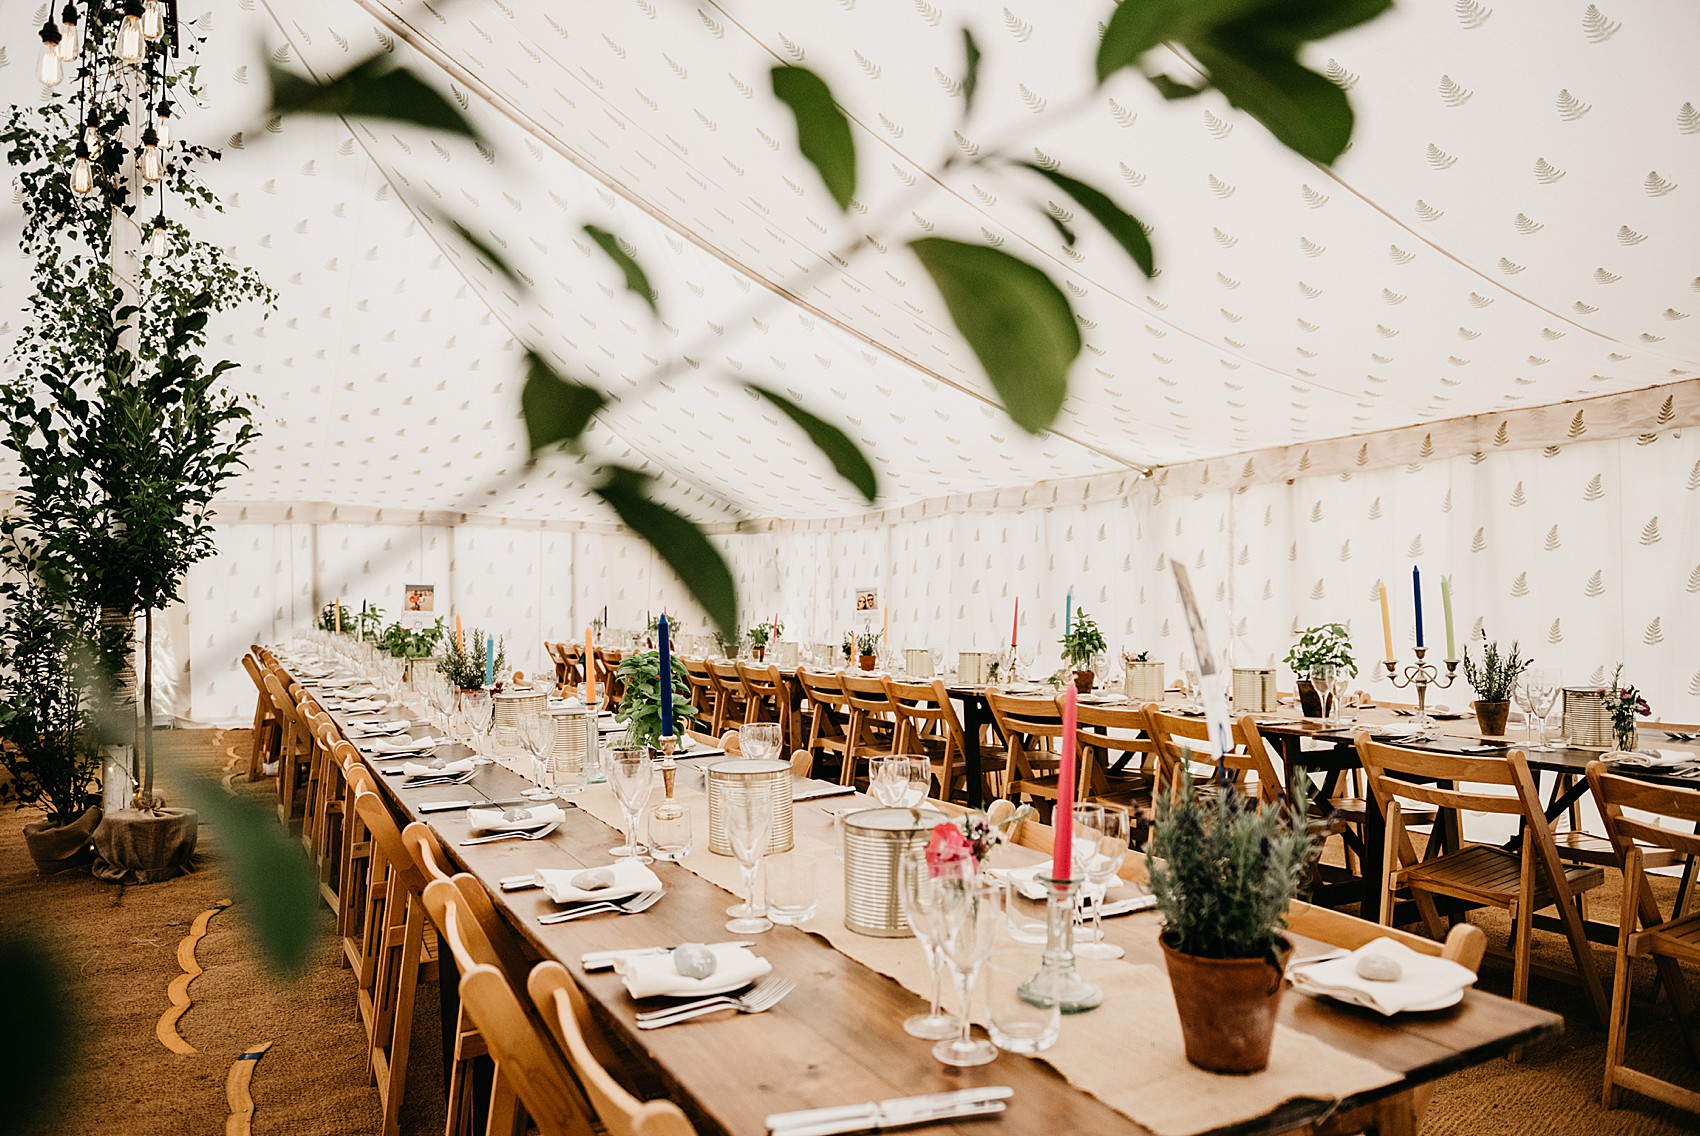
(536, 816)
(655, 976)
(375, 729)
(1425, 980)
(1024, 880)
(1655, 758)
(365, 704)
(405, 745)
(1394, 731)
(630, 877)
(449, 769)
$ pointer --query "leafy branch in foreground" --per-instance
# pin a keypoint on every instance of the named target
(679, 541)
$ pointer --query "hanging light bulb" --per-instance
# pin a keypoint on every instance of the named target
(82, 172)
(91, 139)
(162, 123)
(130, 39)
(51, 69)
(70, 37)
(158, 244)
(153, 159)
(153, 19)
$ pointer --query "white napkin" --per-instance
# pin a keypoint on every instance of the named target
(374, 729)
(655, 976)
(1024, 880)
(491, 820)
(1425, 979)
(404, 745)
(449, 769)
(630, 877)
(365, 704)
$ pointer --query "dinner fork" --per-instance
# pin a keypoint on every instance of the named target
(642, 901)
(764, 995)
(516, 834)
(457, 779)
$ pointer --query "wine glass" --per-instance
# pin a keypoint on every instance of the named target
(1543, 684)
(969, 914)
(899, 780)
(537, 735)
(759, 740)
(1099, 846)
(1323, 677)
(1524, 695)
(631, 774)
(477, 709)
(747, 812)
(921, 909)
(1337, 689)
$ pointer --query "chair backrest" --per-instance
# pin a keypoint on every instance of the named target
(386, 838)
(426, 852)
(1658, 805)
(764, 680)
(926, 706)
(867, 693)
(539, 1076)
(563, 1007)
(255, 675)
(1391, 770)
(802, 763)
(1465, 944)
(1032, 716)
(462, 912)
(701, 684)
(1250, 756)
(728, 679)
(823, 690)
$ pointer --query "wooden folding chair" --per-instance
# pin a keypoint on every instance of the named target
(873, 722)
(620, 1113)
(294, 749)
(767, 698)
(701, 684)
(927, 724)
(829, 715)
(1638, 818)
(1110, 740)
(1032, 727)
(609, 684)
(1247, 769)
(1521, 882)
(730, 697)
(354, 862)
(267, 726)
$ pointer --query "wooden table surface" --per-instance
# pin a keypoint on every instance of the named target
(838, 1038)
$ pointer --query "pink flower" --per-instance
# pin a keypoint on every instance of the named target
(948, 852)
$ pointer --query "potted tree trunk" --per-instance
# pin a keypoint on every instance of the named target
(1494, 682)
(1325, 645)
(1224, 870)
(1082, 645)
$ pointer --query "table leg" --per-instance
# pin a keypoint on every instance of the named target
(973, 721)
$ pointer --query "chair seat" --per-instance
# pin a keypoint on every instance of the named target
(1679, 939)
(1587, 848)
(1355, 810)
(1482, 873)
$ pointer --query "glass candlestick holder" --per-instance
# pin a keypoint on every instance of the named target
(1057, 982)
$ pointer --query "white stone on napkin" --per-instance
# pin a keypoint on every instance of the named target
(536, 816)
(402, 745)
(655, 976)
(1425, 979)
(448, 769)
(630, 878)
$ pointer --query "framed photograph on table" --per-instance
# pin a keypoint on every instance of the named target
(418, 601)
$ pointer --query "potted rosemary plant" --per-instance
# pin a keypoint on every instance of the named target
(1082, 645)
(868, 649)
(1224, 870)
(466, 669)
(1494, 682)
(1325, 645)
(640, 698)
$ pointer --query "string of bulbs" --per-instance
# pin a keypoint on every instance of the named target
(125, 32)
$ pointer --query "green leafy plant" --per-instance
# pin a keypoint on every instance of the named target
(760, 633)
(868, 642)
(1225, 869)
(1624, 704)
(411, 643)
(640, 699)
(464, 667)
(1084, 642)
(1496, 679)
(334, 616)
(849, 644)
(728, 644)
(371, 621)
(49, 672)
(675, 627)
(1326, 644)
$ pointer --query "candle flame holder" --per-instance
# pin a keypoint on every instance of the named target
(1058, 983)
(1421, 675)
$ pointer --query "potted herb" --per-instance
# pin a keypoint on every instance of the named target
(728, 644)
(1142, 680)
(1624, 704)
(1224, 870)
(1325, 645)
(371, 621)
(759, 635)
(848, 646)
(466, 669)
(868, 649)
(1495, 681)
(1082, 645)
(334, 617)
(640, 698)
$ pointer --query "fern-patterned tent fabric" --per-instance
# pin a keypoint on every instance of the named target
(1336, 374)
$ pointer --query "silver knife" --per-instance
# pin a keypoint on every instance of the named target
(604, 960)
(449, 806)
(895, 1113)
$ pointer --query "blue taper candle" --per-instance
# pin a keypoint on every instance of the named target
(489, 660)
(1417, 592)
(666, 680)
(1068, 612)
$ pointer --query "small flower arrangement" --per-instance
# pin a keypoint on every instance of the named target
(960, 845)
(1142, 657)
(1624, 704)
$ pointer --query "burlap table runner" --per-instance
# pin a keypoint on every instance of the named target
(1128, 1053)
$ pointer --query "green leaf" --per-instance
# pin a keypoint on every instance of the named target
(373, 89)
(39, 1032)
(636, 281)
(1295, 22)
(1303, 110)
(1063, 231)
(679, 541)
(556, 409)
(846, 457)
(1137, 27)
(823, 133)
(971, 75)
(1019, 324)
(1173, 89)
(483, 249)
(1116, 221)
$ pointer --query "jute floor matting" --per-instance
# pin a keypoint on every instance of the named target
(119, 948)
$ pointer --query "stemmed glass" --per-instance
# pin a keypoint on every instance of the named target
(1524, 695)
(631, 774)
(1543, 684)
(898, 781)
(969, 914)
(747, 812)
(537, 735)
(1338, 689)
(1323, 677)
(1099, 847)
(921, 905)
(759, 740)
(477, 709)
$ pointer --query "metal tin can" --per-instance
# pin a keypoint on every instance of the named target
(748, 770)
(875, 841)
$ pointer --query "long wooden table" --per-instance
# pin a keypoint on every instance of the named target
(838, 1038)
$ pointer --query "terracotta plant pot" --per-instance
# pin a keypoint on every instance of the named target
(58, 848)
(1083, 681)
(867, 662)
(1227, 1009)
(1492, 717)
(1310, 699)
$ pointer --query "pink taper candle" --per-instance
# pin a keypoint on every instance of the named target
(1016, 625)
(1062, 822)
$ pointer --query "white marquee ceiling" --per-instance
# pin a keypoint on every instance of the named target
(1514, 225)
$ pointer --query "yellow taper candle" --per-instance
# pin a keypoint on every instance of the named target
(1386, 621)
(1446, 609)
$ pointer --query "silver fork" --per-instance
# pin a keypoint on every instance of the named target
(642, 901)
(457, 779)
(517, 834)
(764, 995)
